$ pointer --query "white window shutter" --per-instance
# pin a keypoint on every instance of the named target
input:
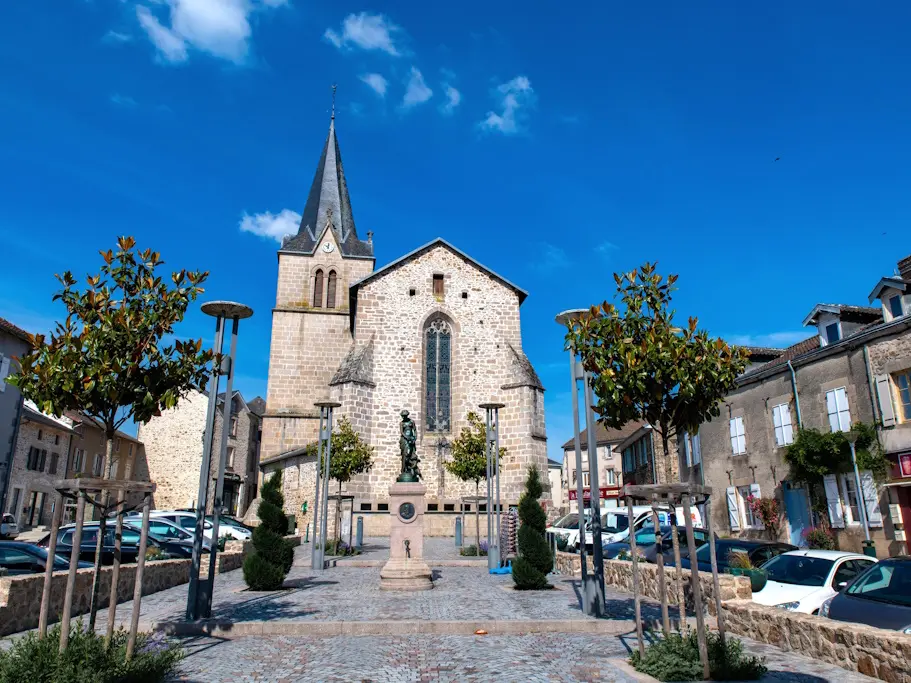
(733, 509)
(734, 435)
(883, 392)
(833, 501)
(754, 491)
(832, 410)
(786, 428)
(4, 372)
(776, 417)
(844, 415)
(871, 499)
(697, 450)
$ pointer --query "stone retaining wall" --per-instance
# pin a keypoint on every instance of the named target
(619, 574)
(870, 651)
(20, 596)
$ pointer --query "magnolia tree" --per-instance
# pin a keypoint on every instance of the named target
(108, 359)
(646, 368)
(469, 462)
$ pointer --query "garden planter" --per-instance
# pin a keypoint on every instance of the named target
(758, 578)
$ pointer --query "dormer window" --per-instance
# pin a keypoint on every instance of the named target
(835, 322)
(832, 333)
(895, 306)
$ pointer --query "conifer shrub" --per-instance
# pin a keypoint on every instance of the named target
(529, 571)
(267, 566)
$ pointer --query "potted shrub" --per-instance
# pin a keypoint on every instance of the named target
(739, 564)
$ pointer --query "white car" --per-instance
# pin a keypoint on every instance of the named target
(187, 521)
(8, 527)
(567, 528)
(801, 580)
(615, 522)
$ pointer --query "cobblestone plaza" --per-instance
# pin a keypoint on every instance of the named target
(337, 625)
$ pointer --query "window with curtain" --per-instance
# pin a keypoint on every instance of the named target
(903, 382)
(318, 289)
(438, 373)
(330, 289)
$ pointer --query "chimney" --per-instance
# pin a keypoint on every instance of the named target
(904, 268)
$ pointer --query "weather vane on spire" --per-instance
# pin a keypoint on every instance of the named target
(334, 88)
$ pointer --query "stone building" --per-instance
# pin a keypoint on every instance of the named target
(434, 332)
(610, 469)
(14, 342)
(173, 443)
(42, 444)
(856, 367)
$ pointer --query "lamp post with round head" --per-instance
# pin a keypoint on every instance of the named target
(199, 602)
(593, 585)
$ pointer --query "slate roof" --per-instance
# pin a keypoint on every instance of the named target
(257, 406)
(9, 328)
(846, 312)
(357, 366)
(790, 353)
(522, 373)
(328, 202)
(605, 435)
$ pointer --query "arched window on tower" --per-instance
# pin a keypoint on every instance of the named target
(318, 289)
(330, 290)
(438, 373)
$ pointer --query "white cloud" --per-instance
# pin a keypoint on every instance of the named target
(416, 91)
(117, 37)
(552, 258)
(377, 82)
(219, 27)
(272, 226)
(515, 97)
(123, 100)
(453, 98)
(777, 340)
(366, 31)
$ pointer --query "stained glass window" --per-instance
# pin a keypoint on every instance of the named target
(438, 397)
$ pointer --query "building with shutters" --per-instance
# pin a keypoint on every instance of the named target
(434, 332)
(856, 367)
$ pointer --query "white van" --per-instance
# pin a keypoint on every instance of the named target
(615, 522)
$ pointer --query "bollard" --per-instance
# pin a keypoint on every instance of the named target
(458, 532)
(359, 539)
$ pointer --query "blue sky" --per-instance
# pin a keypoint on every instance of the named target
(555, 143)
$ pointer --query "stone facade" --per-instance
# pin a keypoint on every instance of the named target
(39, 460)
(342, 331)
(173, 444)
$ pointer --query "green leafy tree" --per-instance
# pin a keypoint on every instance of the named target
(469, 462)
(646, 368)
(108, 359)
(814, 454)
(529, 571)
(267, 566)
(351, 455)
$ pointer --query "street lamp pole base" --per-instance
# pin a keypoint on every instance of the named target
(592, 596)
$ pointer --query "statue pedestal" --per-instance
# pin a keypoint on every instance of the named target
(406, 569)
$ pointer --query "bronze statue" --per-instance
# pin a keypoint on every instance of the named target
(407, 446)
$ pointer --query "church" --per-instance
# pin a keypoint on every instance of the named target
(434, 332)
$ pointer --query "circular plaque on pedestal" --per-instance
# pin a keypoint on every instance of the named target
(406, 512)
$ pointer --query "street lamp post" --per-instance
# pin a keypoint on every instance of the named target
(493, 470)
(592, 585)
(321, 502)
(869, 546)
(199, 596)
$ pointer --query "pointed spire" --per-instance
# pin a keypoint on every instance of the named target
(328, 204)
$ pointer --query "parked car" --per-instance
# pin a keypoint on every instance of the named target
(645, 538)
(801, 580)
(759, 552)
(20, 558)
(187, 521)
(700, 536)
(567, 528)
(879, 597)
(232, 527)
(129, 545)
(163, 528)
(615, 522)
(8, 527)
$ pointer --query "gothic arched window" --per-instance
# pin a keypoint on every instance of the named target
(330, 290)
(438, 368)
(318, 289)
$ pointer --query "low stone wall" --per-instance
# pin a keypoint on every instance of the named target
(870, 651)
(619, 574)
(20, 596)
